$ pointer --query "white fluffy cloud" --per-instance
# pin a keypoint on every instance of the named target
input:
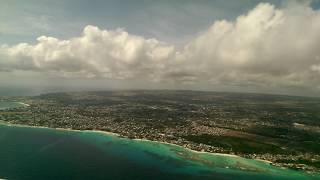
(97, 53)
(267, 47)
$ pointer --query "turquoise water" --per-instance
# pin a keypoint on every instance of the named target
(6, 105)
(39, 153)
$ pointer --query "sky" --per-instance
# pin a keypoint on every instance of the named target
(235, 45)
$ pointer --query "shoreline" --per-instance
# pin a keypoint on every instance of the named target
(119, 136)
(203, 152)
(59, 129)
(24, 104)
(194, 151)
(107, 133)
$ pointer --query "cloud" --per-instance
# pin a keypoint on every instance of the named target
(267, 44)
(267, 47)
(97, 53)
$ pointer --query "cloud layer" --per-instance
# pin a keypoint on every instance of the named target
(266, 48)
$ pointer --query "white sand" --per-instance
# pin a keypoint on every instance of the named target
(24, 104)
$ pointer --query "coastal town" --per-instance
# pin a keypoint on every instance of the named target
(282, 130)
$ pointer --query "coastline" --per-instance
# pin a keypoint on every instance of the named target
(194, 151)
(214, 163)
(203, 152)
(24, 104)
(118, 135)
(60, 129)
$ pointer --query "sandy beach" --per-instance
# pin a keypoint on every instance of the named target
(24, 104)
(200, 152)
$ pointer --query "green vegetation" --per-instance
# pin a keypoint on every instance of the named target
(236, 144)
(300, 161)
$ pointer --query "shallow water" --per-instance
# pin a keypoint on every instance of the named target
(8, 105)
(41, 153)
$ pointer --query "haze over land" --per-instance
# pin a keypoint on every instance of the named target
(261, 47)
